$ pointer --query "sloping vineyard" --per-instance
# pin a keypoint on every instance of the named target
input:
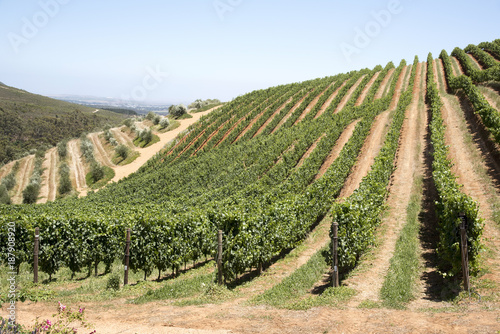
(265, 169)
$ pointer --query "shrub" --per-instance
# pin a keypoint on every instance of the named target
(62, 149)
(156, 119)
(122, 151)
(164, 123)
(178, 110)
(146, 135)
(9, 181)
(64, 182)
(150, 116)
(30, 193)
(96, 171)
(4, 195)
(128, 122)
(113, 282)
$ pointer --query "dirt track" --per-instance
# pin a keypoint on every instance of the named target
(23, 176)
(372, 145)
(409, 164)
(348, 95)
(48, 190)
(311, 105)
(148, 152)
(77, 168)
(365, 91)
(287, 116)
(99, 151)
(330, 100)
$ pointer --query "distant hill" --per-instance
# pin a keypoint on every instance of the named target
(29, 121)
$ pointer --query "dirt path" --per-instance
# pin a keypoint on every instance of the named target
(409, 163)
(210, 137)
(330, 100)
(365, 91)
(372, 145)
(250, 125)
(270, 119)
(162, 318)
(77, 168)
(383, 85)
(457, 68)
(469, 160)
(348, 95)
(287, 116)
(121, 137)
(343, 139)
(23, 177)
(312, 104)
(48, 190)
(148, 152)
(474, 60)
(99, 151)
(309, 151)
(5, 170)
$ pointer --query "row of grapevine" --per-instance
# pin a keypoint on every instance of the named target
(489, 115)
(490, 74)
(483, 57)
(359, 215)
(451, 200)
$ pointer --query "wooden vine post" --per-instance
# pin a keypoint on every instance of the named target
(35, 255)
(127, 257)
(465, 257)
(219, 258)
(335, 278)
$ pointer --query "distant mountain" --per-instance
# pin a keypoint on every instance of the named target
(29, 121)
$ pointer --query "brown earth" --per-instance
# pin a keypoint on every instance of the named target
(468, 161)
(287, 116)
(372, 145)
(121, 137)
(330, 100)
(309, 151)
(211, 136)
(270, 119)
(343, 139)
(148, 152)
(311, 105)
(99, 151)
(474, 60)
(23, 176)
(365, 91)
(383, 85)
(5, 170)
(409, 164)
(48, 190)
(348, 95)
(77, 167)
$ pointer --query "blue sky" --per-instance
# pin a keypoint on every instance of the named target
(180, 50)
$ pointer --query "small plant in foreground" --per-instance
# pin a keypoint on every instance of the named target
(64, 322)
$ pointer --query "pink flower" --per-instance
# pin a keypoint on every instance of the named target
(49, 323)
(61, 307)
(81, 309)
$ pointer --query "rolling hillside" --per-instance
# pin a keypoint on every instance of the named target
(393, 154)
(28, 121)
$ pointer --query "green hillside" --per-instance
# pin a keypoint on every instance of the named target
(28, 121)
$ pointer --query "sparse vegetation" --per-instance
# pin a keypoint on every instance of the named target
(64, 180)
(177, 110)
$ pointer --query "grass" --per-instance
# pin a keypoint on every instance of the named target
(400, 283)
(172, 126)
(492, 95)
(141, 143)
(109, 174)
(119, 161)
(288, 293)
(184, 116)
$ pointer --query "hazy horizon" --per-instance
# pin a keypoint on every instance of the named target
(159, 51)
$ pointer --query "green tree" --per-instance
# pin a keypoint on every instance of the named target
(178, 110)
(150, 116)
(122, 151)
